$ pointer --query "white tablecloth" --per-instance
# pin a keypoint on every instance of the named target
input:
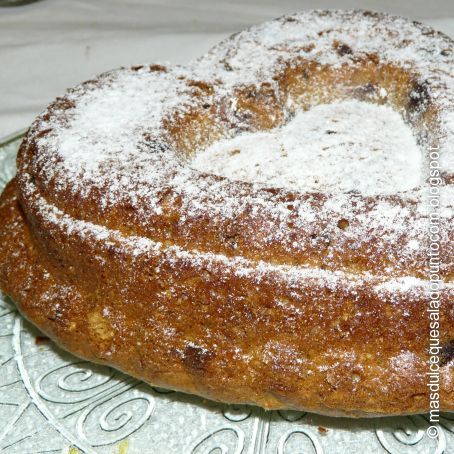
(50, 45)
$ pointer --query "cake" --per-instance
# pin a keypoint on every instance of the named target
(253, 227)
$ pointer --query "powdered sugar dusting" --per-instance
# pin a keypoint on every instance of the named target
(253, 55)
(111, 145)
(337, 266)
(257, 270)
(104, 122)
(405, 360)
(345, 146)
(108, 137)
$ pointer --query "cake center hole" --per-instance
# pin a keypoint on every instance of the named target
(348, 146)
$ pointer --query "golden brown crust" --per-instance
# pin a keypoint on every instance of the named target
(245, 349)
(228, 290)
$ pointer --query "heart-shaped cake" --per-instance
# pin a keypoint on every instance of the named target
(271, 224)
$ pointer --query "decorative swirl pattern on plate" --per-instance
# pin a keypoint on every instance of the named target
(228, 440)
(291, 415)
(301, 439)
(237, 413)
(114, 419)
(72, 383)
(408, 435)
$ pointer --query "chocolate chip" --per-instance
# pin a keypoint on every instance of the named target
(447, 353)
(196, 358)
(232, 241)
(419, 97)
(342, 49)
